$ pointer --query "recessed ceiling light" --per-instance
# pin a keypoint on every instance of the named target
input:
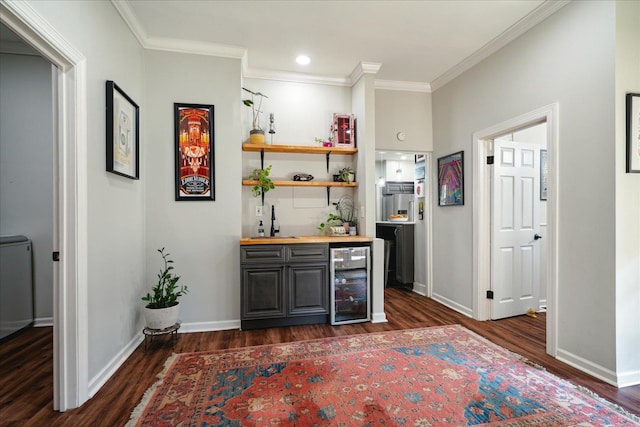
(303, 59)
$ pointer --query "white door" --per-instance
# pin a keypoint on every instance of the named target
(515, 249)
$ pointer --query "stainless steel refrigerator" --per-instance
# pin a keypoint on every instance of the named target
(350, 285)
(397, 198)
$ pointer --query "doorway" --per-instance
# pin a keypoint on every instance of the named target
(402, 184)
(518, 217)
(482, 214)
(70, 316)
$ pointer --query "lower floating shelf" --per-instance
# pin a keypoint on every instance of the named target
(327, 184)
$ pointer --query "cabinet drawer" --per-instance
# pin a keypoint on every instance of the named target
(261, 254)
(307, 253)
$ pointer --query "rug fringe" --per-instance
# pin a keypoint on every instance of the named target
(610, 405)
(146, 397)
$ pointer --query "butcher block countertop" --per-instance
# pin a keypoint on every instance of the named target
(285, 240)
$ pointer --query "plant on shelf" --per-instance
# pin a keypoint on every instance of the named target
(331, 221)
(326, 142)
(264, 183)
(162, 306)
(256, 134)
(345, 206)
(345, 174)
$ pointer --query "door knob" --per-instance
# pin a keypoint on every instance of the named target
(537, 237)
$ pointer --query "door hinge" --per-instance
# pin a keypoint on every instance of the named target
(55, 256)
(489, 160)
(489, 294)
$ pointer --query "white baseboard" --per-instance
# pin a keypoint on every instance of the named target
(587, 366)
(628, 379)
(43, 321)
(103, 376)
(420, 289)
(453, 305)
(379, 317)
(209, 326)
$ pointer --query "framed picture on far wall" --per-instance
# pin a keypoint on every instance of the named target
(123, 133)
(633, 132)
(451, 179)
(194, 152)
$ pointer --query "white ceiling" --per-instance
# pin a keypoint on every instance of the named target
(414, 41)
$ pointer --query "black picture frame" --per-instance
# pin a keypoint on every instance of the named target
(194, 152)
(544, 167)
(123, 133)
(633, 133)
(451, 179)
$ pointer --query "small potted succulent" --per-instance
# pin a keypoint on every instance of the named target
(326, 142)
(256, 134)
(163, 307)
(345, 174)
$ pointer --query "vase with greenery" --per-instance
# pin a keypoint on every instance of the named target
(256, 134)
(326, 142)
(162, 306)
(263, 184)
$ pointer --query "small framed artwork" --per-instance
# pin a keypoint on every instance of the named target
(420, 166)
(123, 133)
(451, 179)
(194, 144)
(344, 130)
(633, 132)
(543, 175)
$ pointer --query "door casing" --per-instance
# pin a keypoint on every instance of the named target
(481, 216)
(70, 302)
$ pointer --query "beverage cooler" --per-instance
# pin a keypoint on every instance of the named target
(350, 279)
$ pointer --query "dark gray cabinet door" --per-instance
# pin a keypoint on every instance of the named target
(263, 292)
(308, 289)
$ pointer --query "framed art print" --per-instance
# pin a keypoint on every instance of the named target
(123, 133)
(544, 168)
(194, 146)
(633, 132)
(451, 179)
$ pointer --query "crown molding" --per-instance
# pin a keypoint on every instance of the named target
(195, 47)
(256, 73)
(542, 12)
(131, 20)
(363, 68)
(402, 86)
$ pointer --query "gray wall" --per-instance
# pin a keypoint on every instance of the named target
(568, 59)
(403, 111)
(115, 206)
(26, 166)
(202, 236)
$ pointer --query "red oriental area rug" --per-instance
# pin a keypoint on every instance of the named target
(419, 377)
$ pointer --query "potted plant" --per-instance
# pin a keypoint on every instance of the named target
(347, 211)
(326, 142)
(332, 221)
(256, 134)
(163, 306)
(345, 174)
(264, 183)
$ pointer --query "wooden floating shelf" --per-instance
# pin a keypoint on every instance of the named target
(303, 183)
(302, 149)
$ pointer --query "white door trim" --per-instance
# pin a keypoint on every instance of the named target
(482, 214)
(70, 316)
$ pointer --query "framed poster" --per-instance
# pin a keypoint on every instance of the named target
(633, 132)
(343, 130)
(123, 133)
(420, 166)
(543, 175)
(451, 179)
(194, 152)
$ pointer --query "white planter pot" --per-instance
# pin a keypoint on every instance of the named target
(161, 318)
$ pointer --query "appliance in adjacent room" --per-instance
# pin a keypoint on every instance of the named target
(350, 268)
(397, 199)
(16, 285)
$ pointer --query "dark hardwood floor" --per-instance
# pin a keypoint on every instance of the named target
(26, 372)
